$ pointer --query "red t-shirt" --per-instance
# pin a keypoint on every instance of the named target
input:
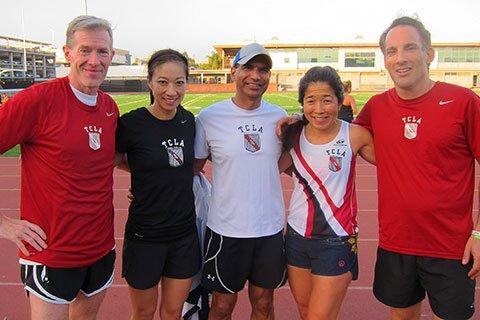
(425, 151)
(68, 152)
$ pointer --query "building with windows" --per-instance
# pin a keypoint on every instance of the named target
(361, 63)
(24, 61)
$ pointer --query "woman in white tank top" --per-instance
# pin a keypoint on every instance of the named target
(320, 151)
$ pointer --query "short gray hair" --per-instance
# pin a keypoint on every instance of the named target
(88, 23)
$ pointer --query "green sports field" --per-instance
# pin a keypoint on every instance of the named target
(197, 101)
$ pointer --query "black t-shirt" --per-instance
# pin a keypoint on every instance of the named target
(160, 156)
(345, 113)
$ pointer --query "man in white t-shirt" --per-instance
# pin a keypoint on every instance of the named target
(244, 237)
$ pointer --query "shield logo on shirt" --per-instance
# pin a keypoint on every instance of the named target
(94, 140)
(175, 156)
(410, 131)
(251, 141)
(335, 163)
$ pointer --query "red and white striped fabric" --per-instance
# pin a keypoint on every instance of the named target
(324, 201)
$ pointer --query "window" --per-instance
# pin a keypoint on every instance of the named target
(317, 55)
(454, 54)
(359, 59)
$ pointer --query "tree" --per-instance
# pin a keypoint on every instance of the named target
(191, 61)
(214, 62)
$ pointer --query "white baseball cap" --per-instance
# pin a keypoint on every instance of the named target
(246, 53)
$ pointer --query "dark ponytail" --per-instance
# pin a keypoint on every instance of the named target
(152, 98)
(290, 133)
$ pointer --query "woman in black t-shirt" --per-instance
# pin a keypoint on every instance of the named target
(349, 107)
(161, 243)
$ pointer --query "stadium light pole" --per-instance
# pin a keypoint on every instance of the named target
(86, 8)
(52, 32)
(24, 47)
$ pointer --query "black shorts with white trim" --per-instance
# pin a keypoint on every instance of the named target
(62, 285)
(230, 262)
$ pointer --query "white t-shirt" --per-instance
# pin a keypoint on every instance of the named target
(247, 197)
(87, 99)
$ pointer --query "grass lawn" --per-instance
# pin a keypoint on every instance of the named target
(14, 152)
(197, 101)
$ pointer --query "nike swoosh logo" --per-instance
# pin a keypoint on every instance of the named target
(110, 114)
(183, 121)
(442, 102)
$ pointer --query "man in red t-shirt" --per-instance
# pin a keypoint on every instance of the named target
(427, 138)
(66, 130)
